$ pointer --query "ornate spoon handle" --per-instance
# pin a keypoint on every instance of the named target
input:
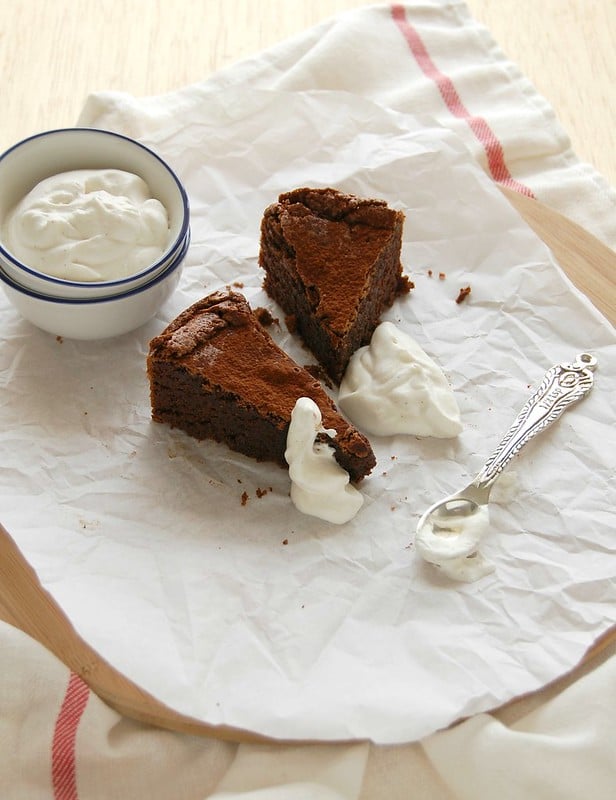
(561, 386)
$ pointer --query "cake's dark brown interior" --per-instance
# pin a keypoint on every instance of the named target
(216, 373)
(332, 262)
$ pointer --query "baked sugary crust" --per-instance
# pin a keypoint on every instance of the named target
(216, 373)
(332, 262)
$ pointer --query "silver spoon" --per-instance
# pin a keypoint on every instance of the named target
(442, 527)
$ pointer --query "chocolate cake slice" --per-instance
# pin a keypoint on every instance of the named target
(332, 262)
(216, 373)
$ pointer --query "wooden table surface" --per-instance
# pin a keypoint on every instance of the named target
(53, 53)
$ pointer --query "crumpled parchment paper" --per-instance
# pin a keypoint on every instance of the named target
(255, 616)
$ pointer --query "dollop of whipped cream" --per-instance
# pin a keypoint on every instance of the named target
(452, 544)
(392, 386)
(319, 485)
(88, 225)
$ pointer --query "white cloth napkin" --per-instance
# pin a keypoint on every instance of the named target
(59, 740)
(425, 58)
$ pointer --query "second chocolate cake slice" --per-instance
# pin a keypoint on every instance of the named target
(216, 373)
(332, 262)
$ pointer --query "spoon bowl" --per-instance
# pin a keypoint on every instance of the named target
(461, 504)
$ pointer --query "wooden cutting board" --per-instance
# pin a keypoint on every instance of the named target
(26, 605)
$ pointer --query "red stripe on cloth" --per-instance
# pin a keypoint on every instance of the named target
(483, 133)
(63, 760)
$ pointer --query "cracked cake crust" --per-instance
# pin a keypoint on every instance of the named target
(332, 262)
(216, 373)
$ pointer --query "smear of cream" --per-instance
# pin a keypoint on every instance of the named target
(319, 485)
(392, 386)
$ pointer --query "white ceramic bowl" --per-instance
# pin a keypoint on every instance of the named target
(49, 153)
(99, 317)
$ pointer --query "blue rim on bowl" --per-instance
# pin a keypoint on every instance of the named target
(77, 301)
(179, 242)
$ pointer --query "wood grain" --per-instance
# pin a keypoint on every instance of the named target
(566, 50)
(25, 604)
(54, 53)
(589, 264)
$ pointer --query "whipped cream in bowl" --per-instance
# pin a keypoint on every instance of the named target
(94, 230)
(88, 213)
(391, 386)
(88, 225)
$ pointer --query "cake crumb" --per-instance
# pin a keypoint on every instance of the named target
(262, 492)
(405, 285)
(430, 273)
(244, 498)
(285, 541)
(238, 284)
(60, 339)
(317, 371)
(463, 294)
(265, 317)
(442, 276)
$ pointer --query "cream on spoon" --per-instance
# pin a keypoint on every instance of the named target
(449, 532)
